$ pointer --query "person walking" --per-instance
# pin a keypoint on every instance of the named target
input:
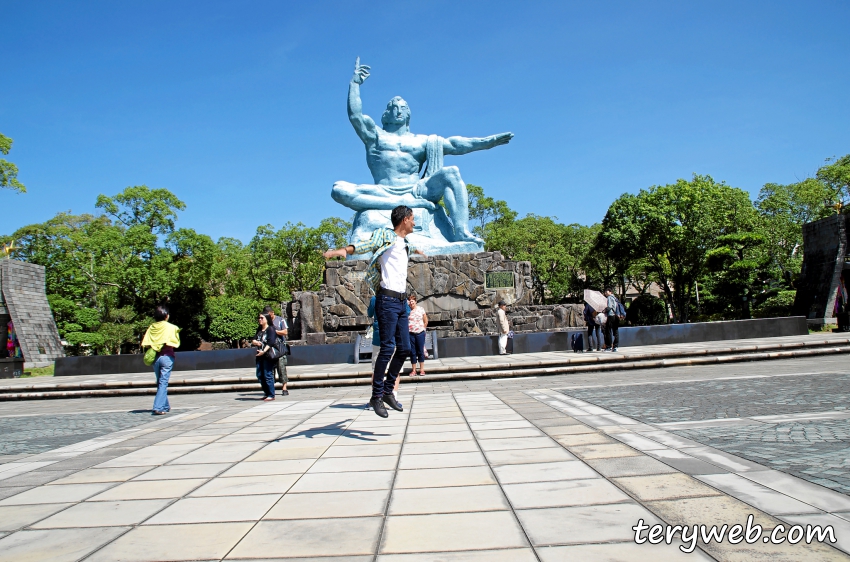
(594, 330)
(163, 337)
(417, 323)
(281, 330)
(612, 321)
(504, 327)
(264, 341)
(387, 273)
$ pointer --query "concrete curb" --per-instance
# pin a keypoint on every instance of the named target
(700, 357)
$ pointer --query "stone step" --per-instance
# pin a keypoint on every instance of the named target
(569, 364)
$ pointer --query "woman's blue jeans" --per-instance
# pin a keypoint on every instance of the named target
(265, 374)
(417, 347)
(162, 368)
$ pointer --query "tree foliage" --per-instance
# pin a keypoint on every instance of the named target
(8, 171)
(106, 273)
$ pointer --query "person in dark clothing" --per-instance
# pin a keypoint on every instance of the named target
(612, 325)
(281, 330)
(264, 341)
(594, 330)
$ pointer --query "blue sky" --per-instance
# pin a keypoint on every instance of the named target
(239, 107)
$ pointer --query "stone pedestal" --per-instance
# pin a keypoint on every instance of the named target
(459, 292)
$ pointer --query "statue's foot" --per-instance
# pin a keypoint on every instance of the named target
(467, 236)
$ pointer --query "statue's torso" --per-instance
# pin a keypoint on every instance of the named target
(395, 159)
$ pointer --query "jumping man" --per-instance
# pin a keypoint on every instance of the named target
(387, 274)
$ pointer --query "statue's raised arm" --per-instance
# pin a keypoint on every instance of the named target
(363, 124)
(463, 145)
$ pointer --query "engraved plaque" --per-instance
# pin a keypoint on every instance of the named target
(499, 280)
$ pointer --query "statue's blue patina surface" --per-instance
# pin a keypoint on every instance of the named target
(408, 170)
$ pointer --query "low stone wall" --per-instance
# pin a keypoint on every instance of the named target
(459, 293)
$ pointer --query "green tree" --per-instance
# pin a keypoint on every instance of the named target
(672, 228)
(784, 209)
(739, 266)
(836, 177)
(556, 252)
(8, 171)
(290, 259)
(485, 209)
(233, 318)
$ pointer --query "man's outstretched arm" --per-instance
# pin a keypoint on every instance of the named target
(463, 145)
(363, 124)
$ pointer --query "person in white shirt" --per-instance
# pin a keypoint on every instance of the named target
(504, 327)
(388, 274)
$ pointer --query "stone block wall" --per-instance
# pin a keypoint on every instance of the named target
(459, 293)
(825, 247)
(22, 291)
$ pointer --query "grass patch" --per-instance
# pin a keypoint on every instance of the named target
(39, 372)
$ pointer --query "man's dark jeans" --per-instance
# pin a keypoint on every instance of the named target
(395, 339)
(612, 331)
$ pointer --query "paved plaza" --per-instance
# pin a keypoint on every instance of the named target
(547, 468)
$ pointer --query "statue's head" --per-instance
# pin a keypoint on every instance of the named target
(397, 113)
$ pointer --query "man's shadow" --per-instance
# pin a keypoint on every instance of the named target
(335, 429)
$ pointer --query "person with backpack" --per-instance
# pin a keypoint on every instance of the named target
(161, 339)
(615, 313)
(281, 330)
(267, 354)
(594, 330)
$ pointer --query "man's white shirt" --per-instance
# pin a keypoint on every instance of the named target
(394, 267)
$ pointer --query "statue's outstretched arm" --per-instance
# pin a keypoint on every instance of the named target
(463, 145)
(363, 124)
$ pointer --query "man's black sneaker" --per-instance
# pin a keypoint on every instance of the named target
(393, 403)
(378, 406)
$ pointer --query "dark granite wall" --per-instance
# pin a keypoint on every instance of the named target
(825, 247)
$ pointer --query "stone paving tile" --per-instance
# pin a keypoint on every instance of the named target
(664, 486)
(56, 494)
(103, 514)
(206, 541)
(247, 485)
(441, 477)
(505, 555)
(215, 509)
(527, 456)
(182, 471)
(595, 491)
(310, 537)
(343, 481)
(543, 472)
(444, 460)
(56, 545)
(91, 475)
(587, 524)
(621, 552)
(14, 517)
(451, 532)
(629, 466)
(322, 505)
(143, 490)
(413, 501)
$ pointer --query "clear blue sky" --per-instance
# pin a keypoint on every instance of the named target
(239, 107)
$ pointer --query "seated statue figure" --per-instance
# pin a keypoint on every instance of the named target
(408, 170)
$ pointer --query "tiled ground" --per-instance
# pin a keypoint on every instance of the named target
(36, 434)
(796, 424)
(481, 471)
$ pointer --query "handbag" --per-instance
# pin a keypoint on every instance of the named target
(273, 354)
(150, 357)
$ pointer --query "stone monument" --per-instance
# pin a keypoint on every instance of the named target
(408, 170)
